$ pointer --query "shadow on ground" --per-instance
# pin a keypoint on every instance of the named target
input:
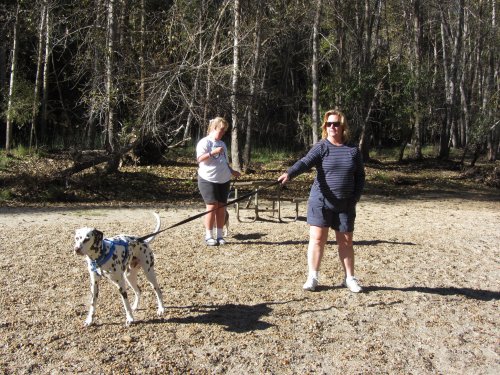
(477, 294)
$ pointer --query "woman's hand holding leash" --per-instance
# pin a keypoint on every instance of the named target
(216, 151)
(283, 178)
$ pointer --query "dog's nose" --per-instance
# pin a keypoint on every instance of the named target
(77, 250)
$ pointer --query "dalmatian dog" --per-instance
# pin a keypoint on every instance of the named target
(118, 258)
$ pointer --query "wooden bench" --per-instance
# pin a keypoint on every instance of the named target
(257, 206)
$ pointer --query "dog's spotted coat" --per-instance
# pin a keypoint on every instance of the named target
(129, 255)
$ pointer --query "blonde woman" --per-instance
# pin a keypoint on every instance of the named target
(214, 175)
(338, 185)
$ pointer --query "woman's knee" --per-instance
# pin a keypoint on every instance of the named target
(344, 240)
(318, 235)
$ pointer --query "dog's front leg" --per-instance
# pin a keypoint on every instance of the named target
(94, 291)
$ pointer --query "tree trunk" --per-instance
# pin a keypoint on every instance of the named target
(314, 74)
(451, 79)
(13, 68)
(213, 52)
(36, 95)
(112, 130)
(94, 114)
(45, 84)
(253, 83)
(142, 66)
(443, 135)
(494, 133)
(369, 96)
(194, 91)
(235, 152)
(417, 52)
(3, 65)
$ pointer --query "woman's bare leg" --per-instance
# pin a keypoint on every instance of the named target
(209, 219)
(346, 252)
(220, 215)
(317, 240)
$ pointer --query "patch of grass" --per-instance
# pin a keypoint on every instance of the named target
(22, 151)
(386, 154)
(4, 161)
(391, 154)
(272, 158)
(267, 157)
(264, 155)
(5, 195)
(381, 177)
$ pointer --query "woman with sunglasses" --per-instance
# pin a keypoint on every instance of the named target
(214, 174)
(339, 182)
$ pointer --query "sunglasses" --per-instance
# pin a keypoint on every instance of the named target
(335, 124)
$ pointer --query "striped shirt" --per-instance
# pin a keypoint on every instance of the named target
(340, 173)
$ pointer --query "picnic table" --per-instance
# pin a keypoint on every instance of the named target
(255, 204)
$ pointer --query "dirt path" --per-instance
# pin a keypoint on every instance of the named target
(430, 268)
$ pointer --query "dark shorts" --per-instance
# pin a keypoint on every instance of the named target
(213, 192)
(338, 215)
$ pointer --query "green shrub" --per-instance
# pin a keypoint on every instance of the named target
(5, 195)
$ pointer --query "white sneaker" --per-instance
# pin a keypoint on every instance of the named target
(221, 241)
(353, 284)
(310, 284)
(211, 242)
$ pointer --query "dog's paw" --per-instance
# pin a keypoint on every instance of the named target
(129, 322)
(88, 322)
(160, 311)
(135, 305)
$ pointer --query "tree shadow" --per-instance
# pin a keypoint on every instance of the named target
(477, 294)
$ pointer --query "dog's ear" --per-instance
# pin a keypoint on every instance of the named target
(98, 234)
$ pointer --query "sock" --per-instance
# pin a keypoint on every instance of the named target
(349, 278)
(220, 232)
(208, 233)
(314, 275)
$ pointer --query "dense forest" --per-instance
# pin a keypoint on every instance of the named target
(117, 75)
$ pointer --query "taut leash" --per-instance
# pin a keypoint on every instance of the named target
(206, 212)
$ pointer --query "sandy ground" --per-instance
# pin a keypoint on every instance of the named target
(430, 268)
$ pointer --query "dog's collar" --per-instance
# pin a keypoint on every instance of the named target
(104, 257)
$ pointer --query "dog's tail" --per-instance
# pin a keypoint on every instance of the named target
(158, 225)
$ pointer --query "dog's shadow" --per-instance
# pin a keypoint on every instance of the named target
(236, 318)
